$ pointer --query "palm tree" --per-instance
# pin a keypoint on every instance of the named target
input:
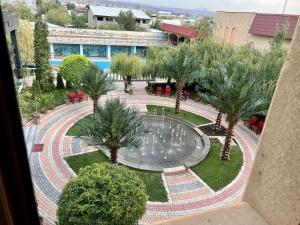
(181, 64)
(114, 126)
(233, 92)
(95, 83)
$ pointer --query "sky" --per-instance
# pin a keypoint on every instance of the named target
(267, 6)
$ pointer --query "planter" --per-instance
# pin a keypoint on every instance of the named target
(44, 111)
(51, 107)
(130, 92)
(36, 118)
(66, 102)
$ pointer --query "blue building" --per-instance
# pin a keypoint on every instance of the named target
(100, 45)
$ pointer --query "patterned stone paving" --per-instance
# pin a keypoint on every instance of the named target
(187, 192)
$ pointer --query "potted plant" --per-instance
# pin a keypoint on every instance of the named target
(51, 105)
(44, 102)
(66, 100)
(130, 91)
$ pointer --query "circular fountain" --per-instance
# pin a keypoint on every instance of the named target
(170, 143)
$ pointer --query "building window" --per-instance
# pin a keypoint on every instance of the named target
(120, 49)
(144, 21)
(142, 51)
(100, 18)
(65, 49)
(233, 35)
(226, 35)
(109, 19)
(138, 21)
(95, 51)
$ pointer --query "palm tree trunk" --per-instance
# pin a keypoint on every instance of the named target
(113, 155)
(179, 87)
(225, 154)
(95, 102)
(217, 125)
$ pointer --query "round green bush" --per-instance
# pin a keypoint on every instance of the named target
(73, 66)
(103, 194)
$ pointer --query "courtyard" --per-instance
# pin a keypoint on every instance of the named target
(182, 191)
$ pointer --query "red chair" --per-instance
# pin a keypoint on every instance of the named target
(252, 121)
(168, 92)
(73, 98)
(159, 91)
(81, 95)
(257, 128)
(185, 95)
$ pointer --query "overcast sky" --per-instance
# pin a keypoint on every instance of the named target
(268, 6)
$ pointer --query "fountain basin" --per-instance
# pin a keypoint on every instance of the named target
(170, 143)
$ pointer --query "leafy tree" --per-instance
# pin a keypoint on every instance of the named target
(204, 27)
(73, 66)
(95, 83)
(233, 92)
(115, 126)
(181, 64)
(20, 9)
(42, 55)
(109, 26)
(102, 194)
(59, 82)
(156, 25)
(71, 6)
(126, 20)
(26, 41)
(79, 21)
(59, 16)
(127, 66)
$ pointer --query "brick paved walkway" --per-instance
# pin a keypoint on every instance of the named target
(187, 192)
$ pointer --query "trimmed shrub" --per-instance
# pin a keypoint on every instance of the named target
(59, 82)
(103, 194)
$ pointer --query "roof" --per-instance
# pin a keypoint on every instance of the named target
(180, 30)
(114, 12)
(269, 24)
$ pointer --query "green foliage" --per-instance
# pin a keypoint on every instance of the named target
(59, 16)
(127, 65)
(102, 194)
(70, 6)
(156, 25)
(79, 21)
(44, 6)
(126, 20)
(154, 185)
(109, 26)
(20, 9)
(59, 82)
(42, 54)
(115, 126)
(204, 26)
(74, 66)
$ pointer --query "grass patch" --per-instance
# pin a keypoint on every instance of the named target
(152, 180)
(183, 115)
(75, 129)
(216, 173)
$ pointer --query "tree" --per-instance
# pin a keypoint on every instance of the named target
(204, 26)
(73, 66)
(127, 66)
(59, 16)
(114, 126)
(26, 41)
(95, 83)
(71, 6)
(181, 64)
(102, 194)
(126, 20)
(156, 25)
(42, 55)
(233, 91)
(20, 9)
(79, 21)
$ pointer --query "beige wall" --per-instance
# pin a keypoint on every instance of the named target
(233, 27)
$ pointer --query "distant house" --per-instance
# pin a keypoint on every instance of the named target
(239, 28)
(99, 15)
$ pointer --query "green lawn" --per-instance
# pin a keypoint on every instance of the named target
(153, 182)
(74, 130)
(216, 173)
(183, 115)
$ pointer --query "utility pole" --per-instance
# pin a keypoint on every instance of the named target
(284, 6)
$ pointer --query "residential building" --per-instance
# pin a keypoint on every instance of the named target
(99, 45)
(239, 28)
(99, 15)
